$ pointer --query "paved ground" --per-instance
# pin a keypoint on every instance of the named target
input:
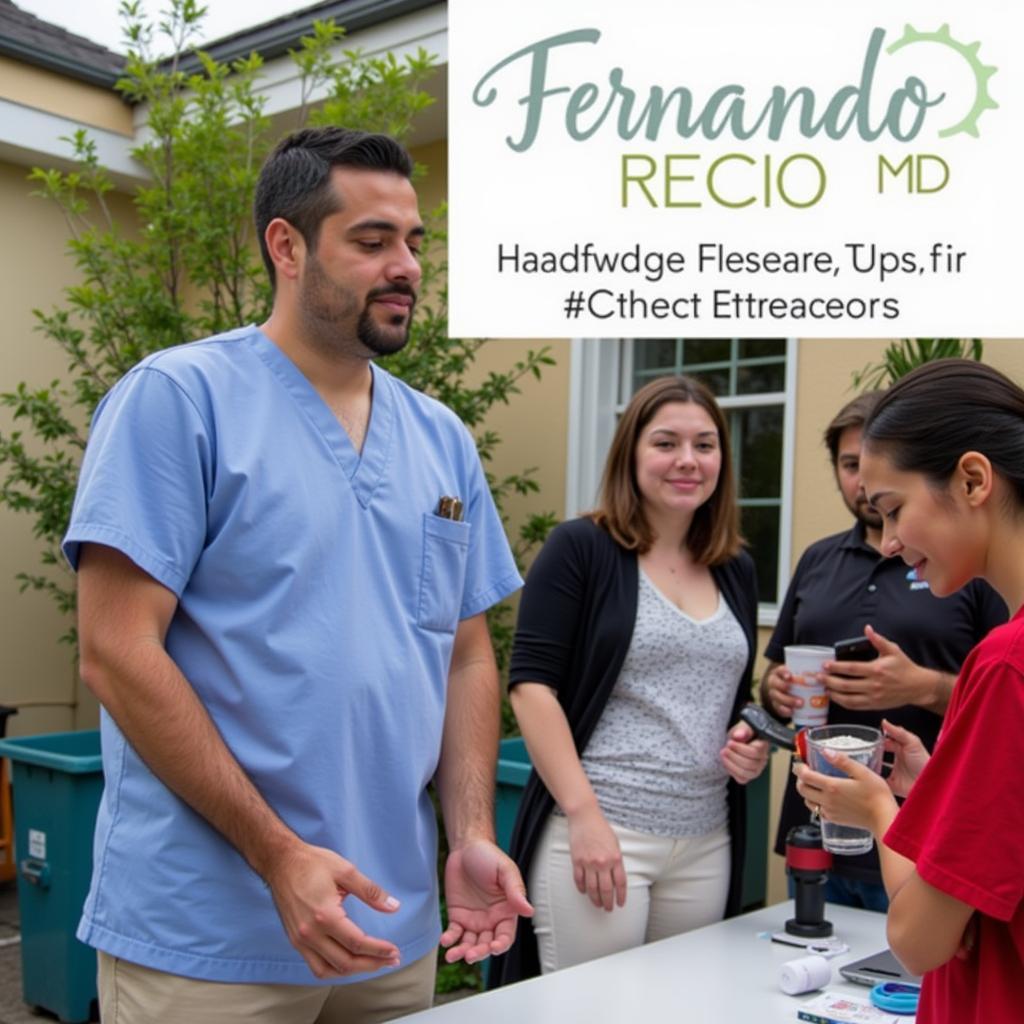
(12, 1009)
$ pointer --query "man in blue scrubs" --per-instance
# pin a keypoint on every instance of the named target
(285, 626)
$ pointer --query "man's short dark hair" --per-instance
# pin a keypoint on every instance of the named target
(853, 414)
(295, 182)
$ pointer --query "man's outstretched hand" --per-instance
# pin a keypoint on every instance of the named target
(485, 895)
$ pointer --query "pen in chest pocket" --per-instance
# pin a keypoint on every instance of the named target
(449, 508)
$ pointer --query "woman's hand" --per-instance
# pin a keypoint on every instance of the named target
(911, 757)
(596, 858)
(863, 800)
(743, 757)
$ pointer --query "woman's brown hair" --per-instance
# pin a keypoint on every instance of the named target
(714, 535)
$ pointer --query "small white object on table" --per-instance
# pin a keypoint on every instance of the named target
(720, 974)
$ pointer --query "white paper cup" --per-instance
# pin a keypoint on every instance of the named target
(807, 661)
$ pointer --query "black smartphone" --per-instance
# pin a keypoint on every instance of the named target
(856, 648)
(768, 727)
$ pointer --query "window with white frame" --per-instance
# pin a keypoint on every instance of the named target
(754, 382)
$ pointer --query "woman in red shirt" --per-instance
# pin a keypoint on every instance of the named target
(943, 462)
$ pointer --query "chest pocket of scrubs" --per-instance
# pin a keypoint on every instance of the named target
(443, 572)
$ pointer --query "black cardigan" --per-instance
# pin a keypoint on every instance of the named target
(575, 625)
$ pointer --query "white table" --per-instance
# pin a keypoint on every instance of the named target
(723, 973)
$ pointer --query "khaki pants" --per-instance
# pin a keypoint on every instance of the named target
(131, 994)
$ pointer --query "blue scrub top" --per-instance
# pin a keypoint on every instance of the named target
(318, 598)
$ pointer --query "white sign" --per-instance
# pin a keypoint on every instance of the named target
(655, 169)
(37, 844)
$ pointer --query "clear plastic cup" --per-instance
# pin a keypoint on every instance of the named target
(863, 743)
(806, 661)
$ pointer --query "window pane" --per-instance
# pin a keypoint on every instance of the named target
(757, 441)
(757, 380)
(706, 350)
(754, 348)
(654, 353)
(760, 526)
(717, 380)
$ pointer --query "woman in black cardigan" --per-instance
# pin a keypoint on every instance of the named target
(630, 827)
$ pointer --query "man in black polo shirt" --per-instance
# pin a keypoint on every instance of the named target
(843, 587)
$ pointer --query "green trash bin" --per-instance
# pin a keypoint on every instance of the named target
(58, 779)
(513, 771)
(755, 860)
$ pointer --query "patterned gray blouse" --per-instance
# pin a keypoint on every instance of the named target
(653, 758)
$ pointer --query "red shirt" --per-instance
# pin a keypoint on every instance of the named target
(963, 826)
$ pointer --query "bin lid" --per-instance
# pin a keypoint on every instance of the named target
(513, 762)
(71, 752)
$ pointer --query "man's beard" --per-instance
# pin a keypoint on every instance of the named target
(328, 310)
(369, 332)
(865, 514)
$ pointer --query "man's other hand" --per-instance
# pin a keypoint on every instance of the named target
(485, 895)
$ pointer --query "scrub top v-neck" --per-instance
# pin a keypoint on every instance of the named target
(362, 469)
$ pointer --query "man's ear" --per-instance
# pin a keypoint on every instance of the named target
(286, 246)
(975, 477)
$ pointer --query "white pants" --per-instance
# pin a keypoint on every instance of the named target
(673, 886)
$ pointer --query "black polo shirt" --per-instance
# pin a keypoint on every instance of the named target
(840, 585)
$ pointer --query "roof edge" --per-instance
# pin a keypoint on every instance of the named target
(271, 39)
(275, 38)
(58, 62)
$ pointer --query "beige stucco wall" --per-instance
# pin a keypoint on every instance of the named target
(432, 188)
(534, 426)
(35, 667)
(38, 672)
(78, 101)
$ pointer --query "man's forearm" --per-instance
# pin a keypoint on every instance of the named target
(123, 619)
(469, 747)
(938, 691)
